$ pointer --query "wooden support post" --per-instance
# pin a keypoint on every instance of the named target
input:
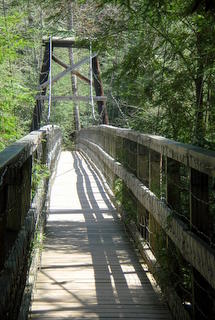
(202, 224)
(155, 169)
(19, 195)
(44, 74)
(113, 154)
(201, 219)
(143, 176)
(102, 110)
(130, 155)
(173, 195)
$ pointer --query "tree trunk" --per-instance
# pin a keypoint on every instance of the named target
(102, 110)
(73, 77)
(199, 88)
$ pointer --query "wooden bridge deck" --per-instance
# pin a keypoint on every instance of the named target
(89, 268)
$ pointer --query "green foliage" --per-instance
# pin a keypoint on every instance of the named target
(38, 241)
(173, 270)
(16, 94)
(39, 173)
(161, 70)
(11, 39)
(157, 61)
(125, 199)
(118, 186)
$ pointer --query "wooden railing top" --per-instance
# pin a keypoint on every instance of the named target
(192, 156)
(195, 244)
(18, 152)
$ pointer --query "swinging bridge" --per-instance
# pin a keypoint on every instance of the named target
(120, 207)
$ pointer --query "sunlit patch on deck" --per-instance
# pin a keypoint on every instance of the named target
(89, 268)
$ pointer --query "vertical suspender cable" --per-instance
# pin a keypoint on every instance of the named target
(91, 83)
(50, 79)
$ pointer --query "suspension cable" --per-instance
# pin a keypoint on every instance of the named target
(91, 83)
(50, 79)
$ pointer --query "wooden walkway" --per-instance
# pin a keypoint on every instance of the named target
(89, 268)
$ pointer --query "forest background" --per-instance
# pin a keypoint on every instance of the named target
(157, 60)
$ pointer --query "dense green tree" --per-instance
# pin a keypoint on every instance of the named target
(19, 60)
(157, 62)
(162, 66)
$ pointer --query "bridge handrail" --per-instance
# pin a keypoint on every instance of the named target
(139, 161)
(192, 156)
(21, 208)
(18, 152)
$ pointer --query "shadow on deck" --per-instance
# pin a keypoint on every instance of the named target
(89, 269)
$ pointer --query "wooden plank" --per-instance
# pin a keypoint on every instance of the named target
(64, 65)
(73, 98)
(63, 73)
(89, 268)
(68, 42)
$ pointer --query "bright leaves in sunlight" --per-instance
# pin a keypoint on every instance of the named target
(16, 97)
